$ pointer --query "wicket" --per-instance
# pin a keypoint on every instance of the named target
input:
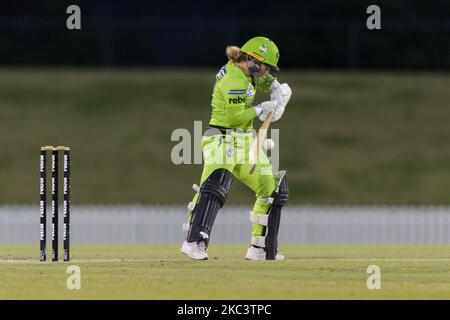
(54, 191)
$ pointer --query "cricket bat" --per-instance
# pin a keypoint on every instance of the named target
(262, 134)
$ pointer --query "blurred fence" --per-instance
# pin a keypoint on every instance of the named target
(300, 224)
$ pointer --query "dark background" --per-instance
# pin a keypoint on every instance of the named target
(311, 34)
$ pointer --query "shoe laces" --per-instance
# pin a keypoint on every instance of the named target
(202, 246)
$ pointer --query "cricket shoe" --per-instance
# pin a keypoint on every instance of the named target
(194, 250)
(254, 253)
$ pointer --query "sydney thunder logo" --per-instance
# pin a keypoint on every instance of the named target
(263, 48)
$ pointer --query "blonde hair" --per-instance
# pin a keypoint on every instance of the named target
(234, 53)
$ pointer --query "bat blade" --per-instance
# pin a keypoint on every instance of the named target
(262, 134)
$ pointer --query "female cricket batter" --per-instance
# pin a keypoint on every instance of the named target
(226, 146)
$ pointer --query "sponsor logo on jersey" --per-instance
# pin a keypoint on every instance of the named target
(236, 100)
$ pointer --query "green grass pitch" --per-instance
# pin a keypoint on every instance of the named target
(161, 272)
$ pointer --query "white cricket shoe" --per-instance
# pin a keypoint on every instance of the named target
(194, 250)
(254, 253)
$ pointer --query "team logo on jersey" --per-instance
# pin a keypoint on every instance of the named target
(263, 48)
(230, 152)
(249, 92)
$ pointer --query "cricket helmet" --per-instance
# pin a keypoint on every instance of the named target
(263, 50)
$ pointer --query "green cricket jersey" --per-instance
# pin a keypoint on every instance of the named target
(233, 96)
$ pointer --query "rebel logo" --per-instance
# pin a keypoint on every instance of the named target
(236, 100)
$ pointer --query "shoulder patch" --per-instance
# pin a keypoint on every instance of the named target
(221, 72)
(249, 92)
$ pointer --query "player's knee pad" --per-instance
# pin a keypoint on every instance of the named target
(212, 196)
(271, 220)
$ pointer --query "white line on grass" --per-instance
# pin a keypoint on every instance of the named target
(116, 260)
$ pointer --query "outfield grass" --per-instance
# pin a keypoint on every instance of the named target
(162, 272)
(346, 138)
